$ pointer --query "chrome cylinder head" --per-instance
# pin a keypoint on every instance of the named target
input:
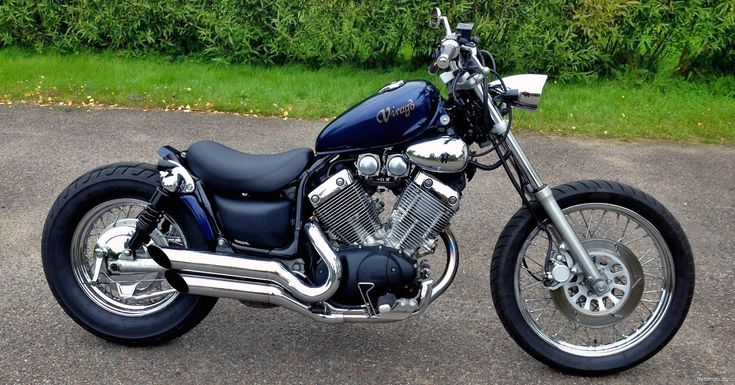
(345, 209)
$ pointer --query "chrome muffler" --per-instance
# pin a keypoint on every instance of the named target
(249, 268)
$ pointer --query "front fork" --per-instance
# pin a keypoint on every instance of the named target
(596, 281)
(542, 192)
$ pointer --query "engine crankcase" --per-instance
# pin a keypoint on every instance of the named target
(371, 272)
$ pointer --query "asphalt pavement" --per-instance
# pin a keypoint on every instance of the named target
(458, 341)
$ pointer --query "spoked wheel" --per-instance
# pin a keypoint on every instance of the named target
(83, 248)
(100, 239)
(635, 244)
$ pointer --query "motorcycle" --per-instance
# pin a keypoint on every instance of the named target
(590, 277)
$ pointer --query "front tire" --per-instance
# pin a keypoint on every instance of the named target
(643, 251)
(96, 206)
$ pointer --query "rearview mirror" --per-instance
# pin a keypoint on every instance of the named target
(441, 20)
(437, 18)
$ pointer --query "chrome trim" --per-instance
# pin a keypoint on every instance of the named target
(330, 187)
(139, 265)
(579, 253)
(401, 310)
(242, 267)
(443, 155)
(177, 179)
(523, 162)
(368, 165)
(441, 20)
(396, 165)
(448, 52)
(450, 271)
(246, 291)
(222, 287)
(448, 195)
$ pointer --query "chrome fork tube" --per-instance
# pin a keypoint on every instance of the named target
(546, 198)
(523, 163)
(544, 195)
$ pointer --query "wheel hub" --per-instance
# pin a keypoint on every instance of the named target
(111, 246)
(623, 275)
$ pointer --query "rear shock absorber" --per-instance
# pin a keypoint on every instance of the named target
(148, 219)
(175, 179)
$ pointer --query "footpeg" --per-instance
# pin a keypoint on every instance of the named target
(388, 303)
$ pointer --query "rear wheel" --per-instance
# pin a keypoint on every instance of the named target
(635, 243)
(84, 239)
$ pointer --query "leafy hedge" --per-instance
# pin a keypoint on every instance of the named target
(563, 37)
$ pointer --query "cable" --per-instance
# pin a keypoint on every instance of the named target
(488, 167)
(501, 141)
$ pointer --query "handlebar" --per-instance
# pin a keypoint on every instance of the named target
(449, 50)
(470, 66)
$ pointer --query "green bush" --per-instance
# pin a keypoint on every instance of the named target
(567, 38)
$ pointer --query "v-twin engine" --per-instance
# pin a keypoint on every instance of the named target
(423, 210)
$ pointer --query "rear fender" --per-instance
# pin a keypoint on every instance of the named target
(193, 202)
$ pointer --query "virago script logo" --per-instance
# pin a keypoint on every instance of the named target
(387, 113)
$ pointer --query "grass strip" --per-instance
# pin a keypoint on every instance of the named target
(673, 110)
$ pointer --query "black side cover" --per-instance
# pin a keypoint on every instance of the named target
(265, 224)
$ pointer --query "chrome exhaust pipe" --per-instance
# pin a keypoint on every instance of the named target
(200, 278)
(450, 271)
(248, 268)
(269, 293)
(221, 287)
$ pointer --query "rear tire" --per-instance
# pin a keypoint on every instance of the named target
(133, 181)
(524, 318)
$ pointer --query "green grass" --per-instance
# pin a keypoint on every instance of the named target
(664, 109)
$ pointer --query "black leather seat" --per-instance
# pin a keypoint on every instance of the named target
(229, 170)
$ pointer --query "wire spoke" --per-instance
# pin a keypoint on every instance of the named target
(599, 222)
(637, 239)
(584, 220)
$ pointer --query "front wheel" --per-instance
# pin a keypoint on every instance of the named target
(640, 248)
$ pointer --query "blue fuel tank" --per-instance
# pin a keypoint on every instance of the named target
(390, 118)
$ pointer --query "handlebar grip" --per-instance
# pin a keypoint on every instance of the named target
(448, 52)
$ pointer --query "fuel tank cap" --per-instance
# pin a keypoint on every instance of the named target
(392, 86)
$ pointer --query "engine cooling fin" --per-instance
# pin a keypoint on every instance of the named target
(421, 213)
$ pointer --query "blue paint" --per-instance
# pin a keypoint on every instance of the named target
(204, 225)
(165, 153)
(370, 125)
